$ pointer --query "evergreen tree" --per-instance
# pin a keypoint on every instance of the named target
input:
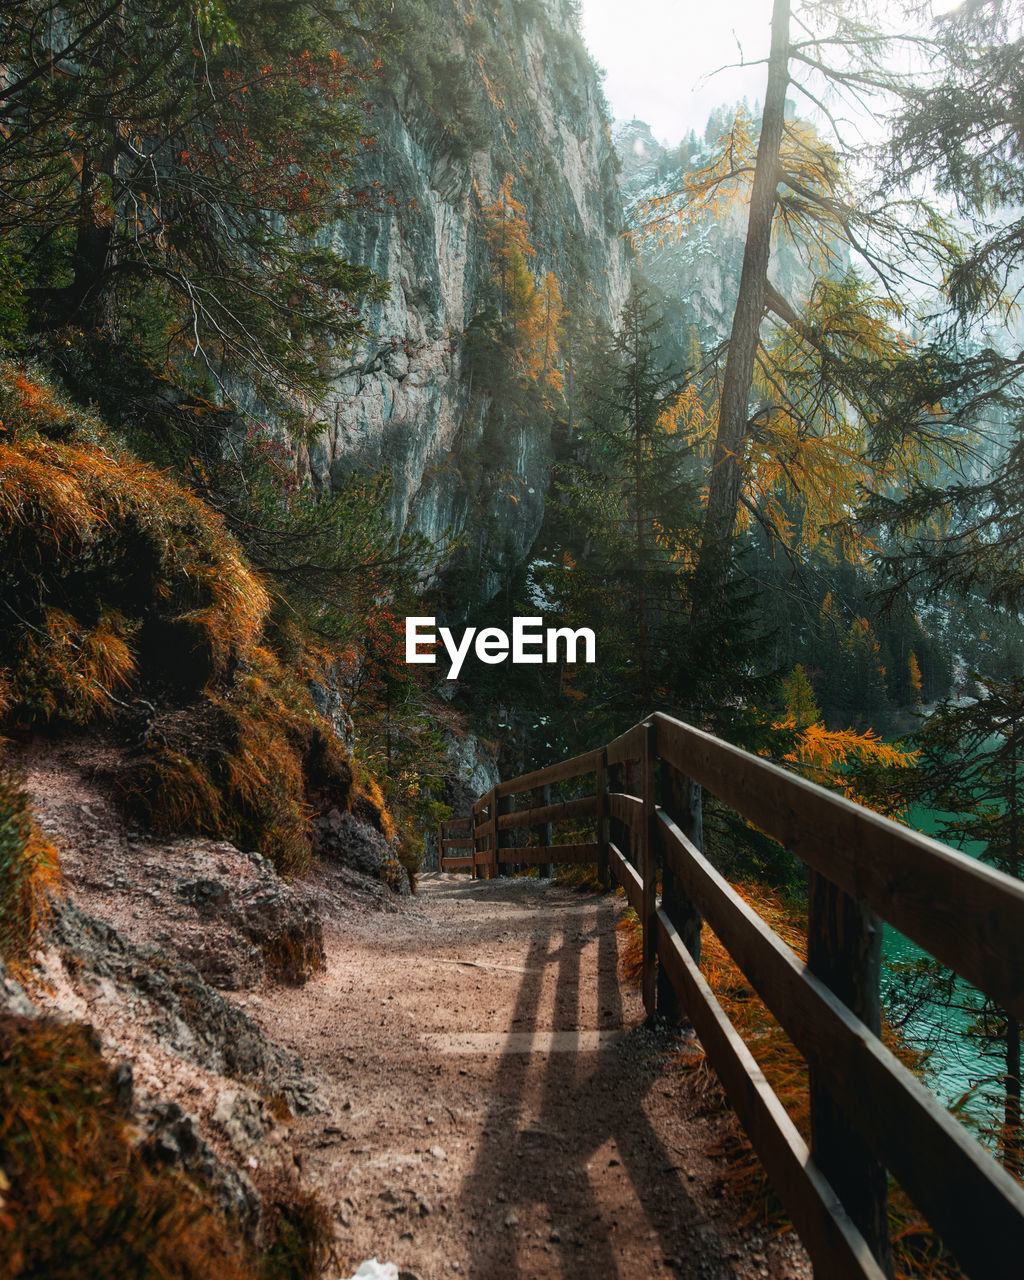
(801, 706)
(617, 552)
(646, 459)
(169, 176)
(972, 766)
(962, 131)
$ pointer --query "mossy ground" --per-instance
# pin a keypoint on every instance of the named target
(79, 1200)
(125, 599)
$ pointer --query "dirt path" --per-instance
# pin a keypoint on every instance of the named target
(497, 1108)
(492, 1104)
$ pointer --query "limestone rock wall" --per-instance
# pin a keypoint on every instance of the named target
(530, 105)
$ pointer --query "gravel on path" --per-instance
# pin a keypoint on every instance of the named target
(497, 1108)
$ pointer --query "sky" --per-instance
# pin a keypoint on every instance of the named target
(659, 56)
(663, 57)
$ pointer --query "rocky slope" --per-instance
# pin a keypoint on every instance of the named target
(480, 91)
(166, 950)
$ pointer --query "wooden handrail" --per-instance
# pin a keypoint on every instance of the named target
(584, 807)
(455, 833)
(869, 1114)
(966, 914)
(574, 768)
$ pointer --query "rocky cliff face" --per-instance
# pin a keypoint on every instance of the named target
(481, 90)
(698, 275)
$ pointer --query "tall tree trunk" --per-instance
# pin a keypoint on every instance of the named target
(641, 549)
(733, 413)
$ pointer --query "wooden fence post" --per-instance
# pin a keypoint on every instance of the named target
(474, 822)
(546, 830)
(492, 814)
(480, 818)
(680, 797)
(502, 804)
(844, 950)
(648, 836)
(613, 782)
(603, 833)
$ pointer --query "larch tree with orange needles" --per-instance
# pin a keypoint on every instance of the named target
(507, 234)
(551, 333)
(528, 320)
(811, 405)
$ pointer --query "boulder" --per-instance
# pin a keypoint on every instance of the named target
(340, 837)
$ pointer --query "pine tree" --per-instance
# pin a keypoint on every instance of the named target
(168, 174)
(961, 130)
(801, 706)
(507, 234)
(642, 394)
(620, 534)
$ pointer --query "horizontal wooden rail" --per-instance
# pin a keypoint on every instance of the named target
(628, 746)
(968, 915)
(532, 855)
(575, 768)
(627, 876)
(584, 807)
(628, 809)
(868, 1112)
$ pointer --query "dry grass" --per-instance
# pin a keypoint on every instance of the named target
(79, 1202)
(124, 595)
(918, 1254)
(248, 763)
(109, 566)
(28, 868)
(581, 876)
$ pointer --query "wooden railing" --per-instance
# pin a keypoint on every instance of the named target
(869, 1114)
(457, 834)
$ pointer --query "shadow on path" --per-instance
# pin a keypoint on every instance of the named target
(570, 1178)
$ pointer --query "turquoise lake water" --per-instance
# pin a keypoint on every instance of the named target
(956, 1065)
